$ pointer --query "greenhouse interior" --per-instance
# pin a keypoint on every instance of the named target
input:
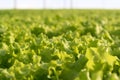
(59, 39)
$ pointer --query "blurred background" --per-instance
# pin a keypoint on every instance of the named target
(59, 4)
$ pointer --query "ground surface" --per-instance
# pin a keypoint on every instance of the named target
(60, 45)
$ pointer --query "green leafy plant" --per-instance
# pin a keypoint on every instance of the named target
(59, 45)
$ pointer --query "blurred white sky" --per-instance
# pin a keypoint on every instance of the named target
(33, 4)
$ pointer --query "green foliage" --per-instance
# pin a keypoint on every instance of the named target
(59, 45)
